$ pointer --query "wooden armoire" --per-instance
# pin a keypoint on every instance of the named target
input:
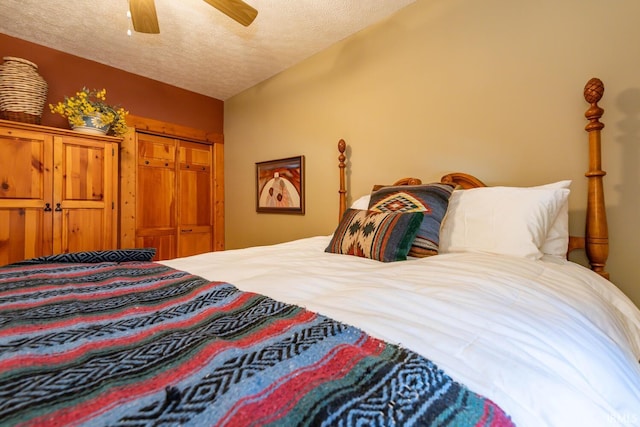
(58, 191)
(172, 189)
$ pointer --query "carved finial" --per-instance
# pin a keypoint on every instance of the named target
(593, 90)
(342, 146)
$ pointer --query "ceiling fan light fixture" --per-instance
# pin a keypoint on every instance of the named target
(129, 31)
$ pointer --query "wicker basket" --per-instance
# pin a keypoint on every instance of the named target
(23, 91)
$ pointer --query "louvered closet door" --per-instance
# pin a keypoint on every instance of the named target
(195, 229)
(156, 211)
(25, 194)
(83, 205)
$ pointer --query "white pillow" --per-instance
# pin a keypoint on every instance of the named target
(361, 203)
(503, 220)
(557, 240)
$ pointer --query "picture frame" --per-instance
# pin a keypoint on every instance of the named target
(280, 186)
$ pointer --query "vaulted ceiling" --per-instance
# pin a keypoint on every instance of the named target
(199, 48)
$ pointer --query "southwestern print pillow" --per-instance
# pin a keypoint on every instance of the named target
(430, 199)
(383, 236)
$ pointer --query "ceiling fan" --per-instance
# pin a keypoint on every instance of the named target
(145, 20)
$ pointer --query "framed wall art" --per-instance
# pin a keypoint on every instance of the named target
(280, 185)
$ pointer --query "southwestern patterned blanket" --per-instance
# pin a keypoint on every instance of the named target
(110, 338)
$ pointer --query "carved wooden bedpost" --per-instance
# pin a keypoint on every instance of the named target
(342, 146)
(597, 235)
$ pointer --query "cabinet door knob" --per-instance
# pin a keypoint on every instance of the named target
(47, 207)
(146, 162)
(58, 208)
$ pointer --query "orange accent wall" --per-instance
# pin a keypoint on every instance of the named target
(66, 74)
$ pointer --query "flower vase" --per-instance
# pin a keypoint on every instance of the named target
(91, 124)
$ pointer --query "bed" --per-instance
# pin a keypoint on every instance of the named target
(422, 308)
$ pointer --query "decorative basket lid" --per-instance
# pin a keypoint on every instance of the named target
(24, 61)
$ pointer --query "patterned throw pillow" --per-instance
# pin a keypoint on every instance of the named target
(383, 236)
(431, 199)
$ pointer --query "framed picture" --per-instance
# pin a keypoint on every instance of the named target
(280, 186)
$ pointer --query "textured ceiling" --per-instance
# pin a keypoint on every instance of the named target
(198, 48)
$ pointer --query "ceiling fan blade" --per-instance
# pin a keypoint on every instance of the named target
(235, 9)
(143, 16)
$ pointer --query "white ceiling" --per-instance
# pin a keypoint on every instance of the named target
(198, 48)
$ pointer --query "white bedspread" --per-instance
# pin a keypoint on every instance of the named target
(549, 341)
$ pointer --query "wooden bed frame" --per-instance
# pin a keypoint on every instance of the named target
(596, 239)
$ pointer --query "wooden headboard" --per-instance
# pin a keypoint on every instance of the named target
(596, 239)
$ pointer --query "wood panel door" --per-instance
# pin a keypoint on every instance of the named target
(156, 211)
(195, 230)
(25, 194)
(172, 189)
(84, 211)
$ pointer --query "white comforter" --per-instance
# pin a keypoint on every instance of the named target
(549, 341)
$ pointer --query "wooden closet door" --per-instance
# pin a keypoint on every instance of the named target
(83, 207)
(25, 195)
(156, 211)
(195, 199)
(172, 189)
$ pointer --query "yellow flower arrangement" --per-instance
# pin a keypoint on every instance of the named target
(92, 102)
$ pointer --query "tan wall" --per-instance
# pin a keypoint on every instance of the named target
(492, 88)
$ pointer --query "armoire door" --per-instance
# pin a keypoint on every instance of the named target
(85, 173)
(25, 194)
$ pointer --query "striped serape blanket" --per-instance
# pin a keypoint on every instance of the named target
(95, 339)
